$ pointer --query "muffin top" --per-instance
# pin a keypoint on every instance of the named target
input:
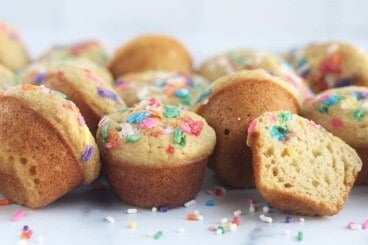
(13, 51)
(90, 49)
(342, 111)
(332, 64)
(155, 134)
(256, 75)
(7, 78)
(101, 96)
(170, 87)
(36, 73)
(66, 118)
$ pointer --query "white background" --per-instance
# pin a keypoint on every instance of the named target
(205, 26)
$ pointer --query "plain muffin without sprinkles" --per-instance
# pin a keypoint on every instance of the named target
(46, 149)
(154, 154)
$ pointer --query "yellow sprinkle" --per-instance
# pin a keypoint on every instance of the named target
(133, 225)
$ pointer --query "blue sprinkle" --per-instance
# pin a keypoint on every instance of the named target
(182, 92)
(359, 95)
(138, 117)
(332, 100)
(40, 78)
(163, 209)
(344, 82)
(108, 95)
(284, 117)
(211, 203)
(88, 153)
(279, 132)
(203, 96)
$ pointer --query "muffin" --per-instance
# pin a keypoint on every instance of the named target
(229, 105)
(36, 72)
(170, 87)
(344, 112)
(46, 149)
(299, 167)
(154, 154)
(242, 59)
(151, 52)
(7, 78)
(87, 90)
(13, 52)
(89, 49)
(332, 64)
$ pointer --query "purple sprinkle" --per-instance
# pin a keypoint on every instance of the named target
(163, 209)
(25, 228)
(189, 82)
(108, 94)
(288, 219)
(88, 153)
(40, 78)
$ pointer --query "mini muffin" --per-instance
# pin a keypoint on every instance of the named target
(344, 112)
(229, 105)
(46, 149)
(93, 97)
(332, 64)
(299, 167)
(90, 49)
(13, 52)
(7, 78)
(151, 52)
(36, 72)
(169, 87)
(154, 154)
(243, 59)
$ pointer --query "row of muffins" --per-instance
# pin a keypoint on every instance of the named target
(228, 105)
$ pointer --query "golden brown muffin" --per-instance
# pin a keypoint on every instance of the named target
(170, 87)
(299, 167)
(46, 149)
(332, 64)
(7, 78)
(229, 105)
(344, 112)
(89, 49)
(243, 59)
(13, 52)
(151, 52)
(36, 73)
(86, 89)
(154, 154)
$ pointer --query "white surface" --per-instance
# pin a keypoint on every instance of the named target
(79, 218)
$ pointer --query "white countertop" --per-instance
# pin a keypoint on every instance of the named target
(79, 218)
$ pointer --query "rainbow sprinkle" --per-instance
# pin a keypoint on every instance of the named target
(88, 153)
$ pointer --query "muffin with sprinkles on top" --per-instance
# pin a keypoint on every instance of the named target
(154, 154)
(344, 112)
(170, 87)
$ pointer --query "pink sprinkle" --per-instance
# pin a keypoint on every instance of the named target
(251, 200)
(211, 228)
(108, 145)
(148, 123)
(272, 118)
(336, 123)
(186, 128)
(18, 215)
(365, 225)
(350, 224)
(123, 86)
(92, 77)
(220, 191)
(81, 120)
(324, 97)
(154, 102)
(170, 150)
(252, 125)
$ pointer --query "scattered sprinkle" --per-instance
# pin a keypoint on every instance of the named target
(133, 138)
(196, 212)
(148, 123)
(220, 230)
(236, 220)
(132, 211)
(133, 225)
(4, 202)
(181, 92)
(18, 215)
(300, 236)
(211, 203)
(138, 117)
(359, 114)
(179, 137)
(251, 200)
(171, 111)
(224, 221)
(237, 212)
(279, 132)
(220, 191)
(108, 95)
(170, 150)
(266, 209)
(288, 219)
(354, 226)
(163, 209)
(154, 210)
(265, 219)
(192, 217)
(252, 208)
(301, 220)
(190, 203)
(365, 225)
(88, 153)
(110, 219)
(158, 235)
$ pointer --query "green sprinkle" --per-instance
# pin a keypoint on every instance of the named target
(323, 108)
(158, 235)
(171, 111)
(280, 133)
(105, 133)
(223, 230)
(179, 137)
(359, 114)
(284, 117)
(133, 137)
(187, 100)
(300, 236)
